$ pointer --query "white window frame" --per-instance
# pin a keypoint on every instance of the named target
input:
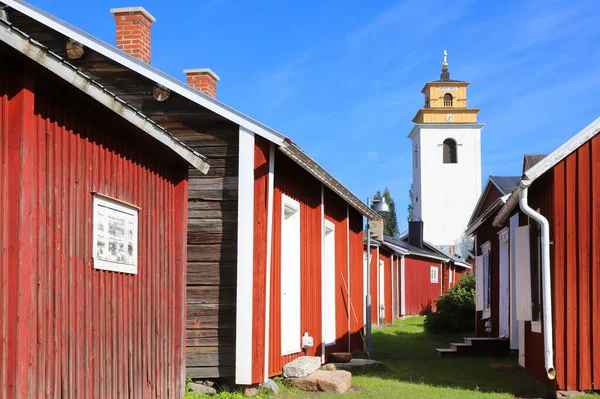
(290, 276)
(101, 205)
(486, 250)
(434, 272)
(329, 285)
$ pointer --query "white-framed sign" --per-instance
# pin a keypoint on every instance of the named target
(115, 235)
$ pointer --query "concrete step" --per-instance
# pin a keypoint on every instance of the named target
(446, 352)
(461, 347)
(488, 346)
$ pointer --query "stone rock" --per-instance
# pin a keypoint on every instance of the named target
(359, 364)
(199, 388)
(340, 357)
(328, 367)
(251, 391)
(568, 394)
(338, 381)
(301, 366)
(271, 386)
(208, 383)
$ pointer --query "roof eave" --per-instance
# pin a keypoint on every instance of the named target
(39, 54)
(544, 165)
(148, 71)
(311, 166)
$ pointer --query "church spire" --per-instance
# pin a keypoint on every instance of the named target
(445, 76)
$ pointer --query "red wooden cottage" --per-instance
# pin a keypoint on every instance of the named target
(274, 241)
(408, 275)
(93, 205)
(547, 249)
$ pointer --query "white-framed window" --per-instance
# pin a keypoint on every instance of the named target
(433, 274)
(486, 279)
(290, 276)
(329, 282)
(115, 235)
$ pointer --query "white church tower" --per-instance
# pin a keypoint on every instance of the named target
(446, 147)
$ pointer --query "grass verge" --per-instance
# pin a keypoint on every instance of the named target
(413, 370)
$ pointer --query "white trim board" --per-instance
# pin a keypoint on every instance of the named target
(245, 258)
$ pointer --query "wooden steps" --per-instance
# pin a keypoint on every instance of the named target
(477, 346)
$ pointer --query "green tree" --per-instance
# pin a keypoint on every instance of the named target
(390, 223)
(411, 204)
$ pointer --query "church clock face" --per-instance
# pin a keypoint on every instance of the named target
(449, 117)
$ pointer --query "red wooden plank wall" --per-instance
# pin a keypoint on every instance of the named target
(445, 276)
(357, 304)
(570, 197)
(387, 259)
(261, 187)
(84, 332)
(336, 211)
(296, 183)
(534, 343)
(420, 291)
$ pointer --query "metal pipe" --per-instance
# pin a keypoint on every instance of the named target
(547, 305)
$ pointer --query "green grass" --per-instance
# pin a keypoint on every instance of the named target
(414, 370)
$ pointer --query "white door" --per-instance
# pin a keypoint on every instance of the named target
(329, 283)
(290, 277)
(503, 326)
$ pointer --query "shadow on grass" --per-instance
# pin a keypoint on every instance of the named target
(409, 355)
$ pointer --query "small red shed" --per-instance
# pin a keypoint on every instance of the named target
(93, 200)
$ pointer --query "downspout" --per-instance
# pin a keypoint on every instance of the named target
(547, 306)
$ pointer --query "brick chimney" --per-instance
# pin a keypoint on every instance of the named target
(203, 79)
(133, 31)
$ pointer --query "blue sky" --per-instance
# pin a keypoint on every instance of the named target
(343, 78)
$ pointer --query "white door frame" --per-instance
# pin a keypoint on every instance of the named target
(503, 254)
